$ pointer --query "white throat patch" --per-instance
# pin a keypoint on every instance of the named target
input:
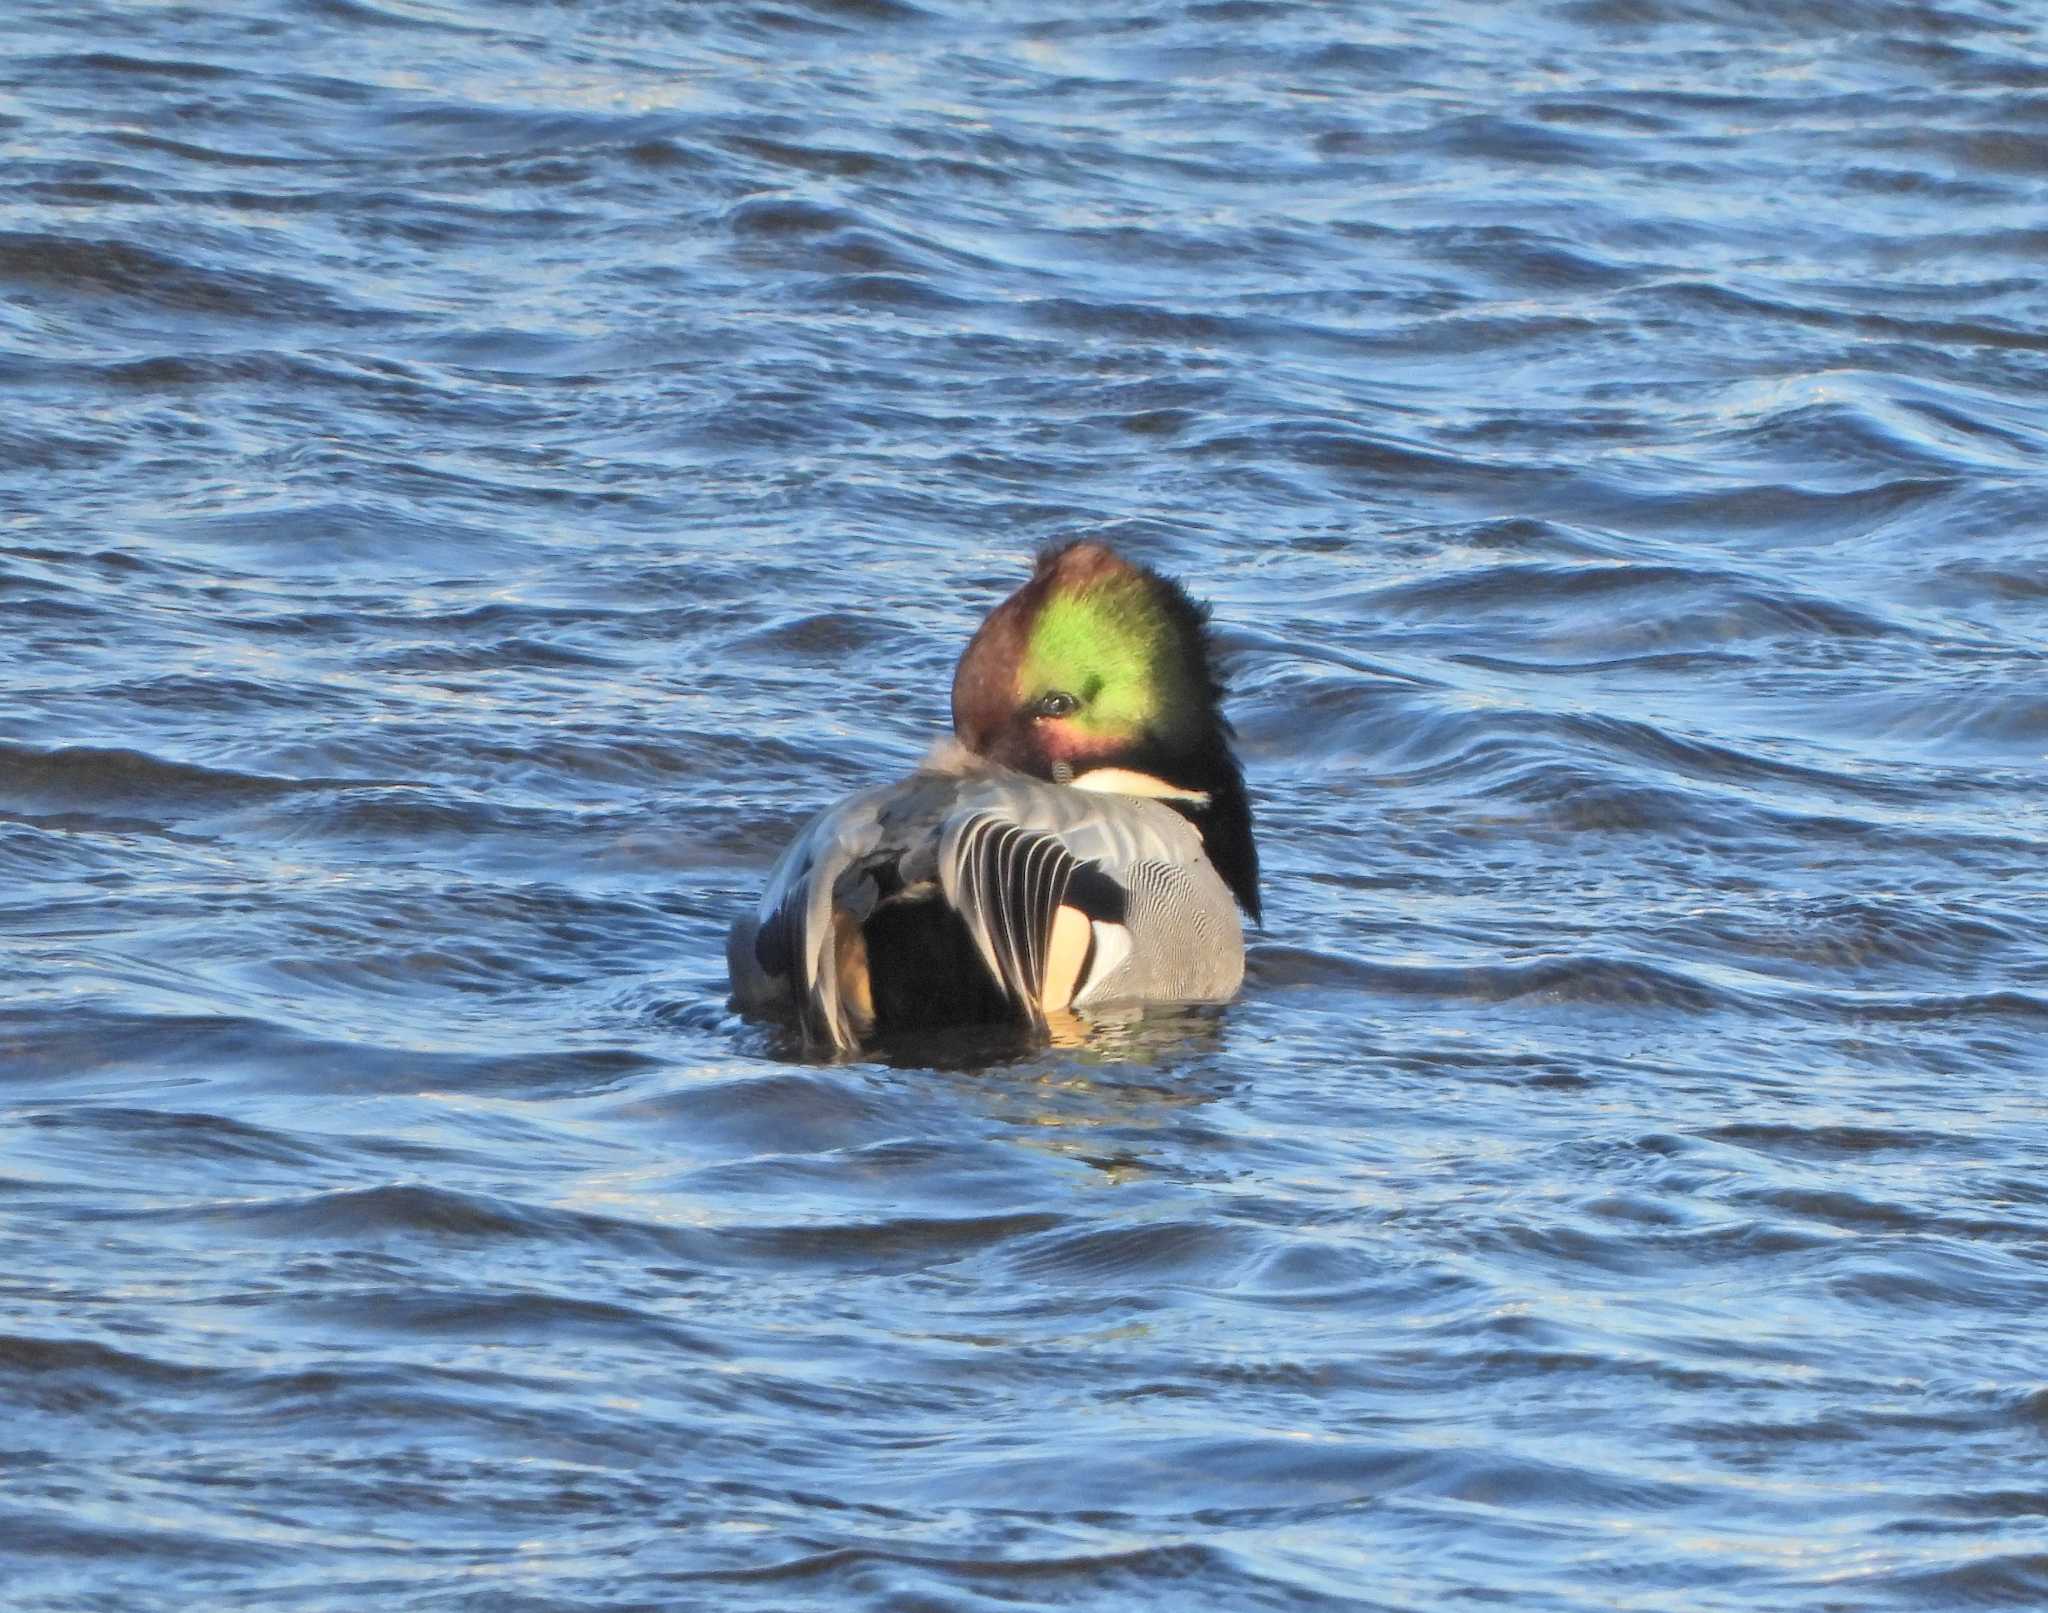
(1123, 781)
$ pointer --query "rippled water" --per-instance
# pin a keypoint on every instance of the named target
(478, 475)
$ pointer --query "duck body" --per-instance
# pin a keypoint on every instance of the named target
(1084, 839)
(973, 892)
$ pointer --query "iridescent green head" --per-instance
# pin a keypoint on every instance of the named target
(1097, 673)
(1091, 658)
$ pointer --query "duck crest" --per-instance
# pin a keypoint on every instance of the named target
(1123, 644)
(1098, 672)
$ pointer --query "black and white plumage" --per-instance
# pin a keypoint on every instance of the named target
(1087, 840)
(973, 891)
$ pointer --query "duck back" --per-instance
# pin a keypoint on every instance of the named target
(969, 892)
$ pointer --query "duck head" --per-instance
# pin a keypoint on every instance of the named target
(1098, 673)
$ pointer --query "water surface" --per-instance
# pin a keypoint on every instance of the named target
(476, 475)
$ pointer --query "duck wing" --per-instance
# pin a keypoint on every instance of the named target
(1028, 903)
(1076, 896)
(1068, 897)
(801, 946)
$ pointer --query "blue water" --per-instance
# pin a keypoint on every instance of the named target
(475, 476)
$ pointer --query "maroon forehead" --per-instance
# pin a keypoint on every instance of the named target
(985, 682)
(1081, 566)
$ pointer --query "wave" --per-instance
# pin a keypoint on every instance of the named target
(488, 474)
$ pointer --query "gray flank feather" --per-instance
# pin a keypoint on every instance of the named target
(1003, 849)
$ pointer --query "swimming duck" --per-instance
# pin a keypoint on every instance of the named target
(1083, 839)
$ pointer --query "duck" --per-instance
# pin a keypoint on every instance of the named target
(1083, 838)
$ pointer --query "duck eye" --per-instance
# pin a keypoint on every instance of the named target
(1057, 704)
